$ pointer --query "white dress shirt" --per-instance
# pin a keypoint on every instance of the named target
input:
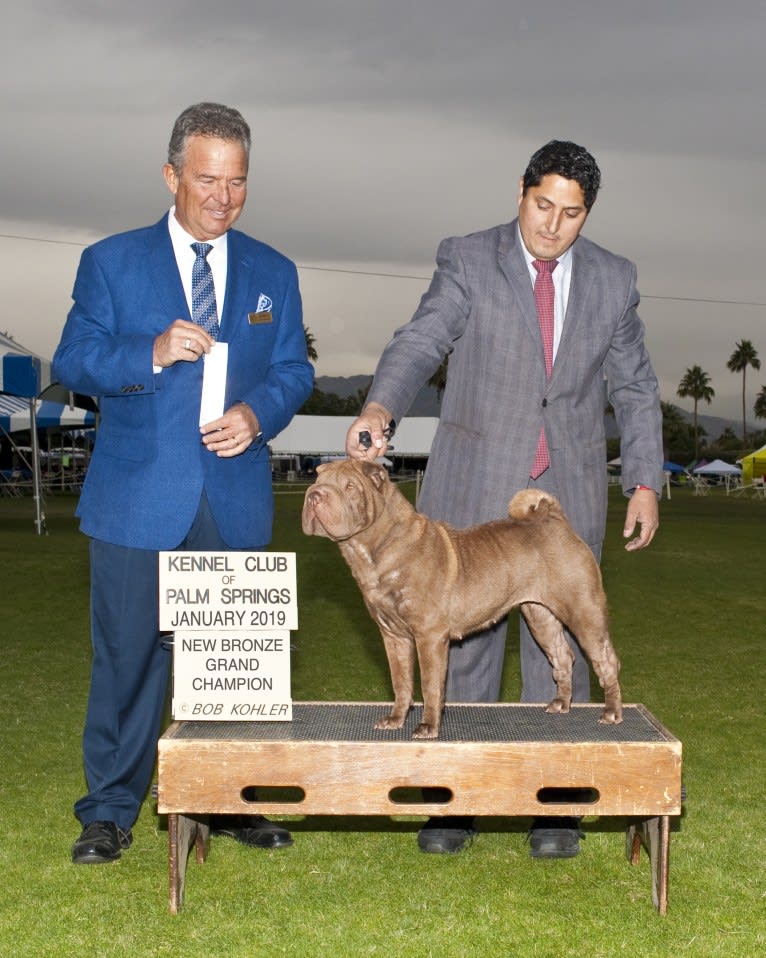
(185, 256)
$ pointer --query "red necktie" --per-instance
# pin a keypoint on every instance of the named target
(544, 303)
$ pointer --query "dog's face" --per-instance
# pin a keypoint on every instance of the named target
(346, 498)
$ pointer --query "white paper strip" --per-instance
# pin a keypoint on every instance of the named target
(214, 384)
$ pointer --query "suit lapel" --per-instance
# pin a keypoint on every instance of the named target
(514, 266)
(240, 271)
(163, 270)
(583, 277)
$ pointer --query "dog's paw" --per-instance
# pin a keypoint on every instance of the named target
(426, 730)
(389, 723)
(611, 716)
(558, 706)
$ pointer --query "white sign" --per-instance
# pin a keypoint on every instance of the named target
(234, 591)
(230, 613)
(232, 677)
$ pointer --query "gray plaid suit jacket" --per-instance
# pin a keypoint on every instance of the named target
(480, 308)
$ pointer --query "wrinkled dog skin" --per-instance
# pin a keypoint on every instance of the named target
(426, 583)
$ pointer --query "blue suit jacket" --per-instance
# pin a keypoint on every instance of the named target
(149, 466)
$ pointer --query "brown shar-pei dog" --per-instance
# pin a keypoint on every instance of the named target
(426, 583)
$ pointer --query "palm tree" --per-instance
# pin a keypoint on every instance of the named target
(311, 349)
(696, 385)
(743, 356)
(677, 439)
(760, 404)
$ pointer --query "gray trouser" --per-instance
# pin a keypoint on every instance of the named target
(476, 668)
(476, 664)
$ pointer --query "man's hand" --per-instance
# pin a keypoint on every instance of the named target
(643, 509)
(374, 420)
(233, 433)
(181, 341)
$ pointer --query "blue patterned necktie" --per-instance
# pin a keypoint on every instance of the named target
(204, 310)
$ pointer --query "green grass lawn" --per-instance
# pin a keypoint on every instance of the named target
(688, 623)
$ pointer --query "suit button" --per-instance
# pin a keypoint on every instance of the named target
(545, 403)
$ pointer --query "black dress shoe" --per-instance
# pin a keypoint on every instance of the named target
(100, 842)
(253, 830)
(555, 838)
(446, 835)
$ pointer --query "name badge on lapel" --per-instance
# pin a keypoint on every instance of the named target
(262, 312)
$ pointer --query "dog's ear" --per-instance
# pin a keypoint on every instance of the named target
(375, 472)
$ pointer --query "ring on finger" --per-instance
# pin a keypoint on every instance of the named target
(187, 344)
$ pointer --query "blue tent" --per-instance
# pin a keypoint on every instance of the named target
(15, 415)
(22, 373)
(24, 377)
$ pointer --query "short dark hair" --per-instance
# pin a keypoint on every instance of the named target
(207, 119)
(563, 158)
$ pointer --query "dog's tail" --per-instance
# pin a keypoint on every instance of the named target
(534, 504)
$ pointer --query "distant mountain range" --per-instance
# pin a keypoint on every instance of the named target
(427, 404)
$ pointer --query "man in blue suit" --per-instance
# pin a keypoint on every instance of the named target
(146, 312)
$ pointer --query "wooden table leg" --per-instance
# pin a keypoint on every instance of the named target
(661, 866)
(654, 834)
(174, 889)
(183, 832)
(202, 841)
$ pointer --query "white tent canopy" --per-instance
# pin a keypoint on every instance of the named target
(717, 468)
(326, 436)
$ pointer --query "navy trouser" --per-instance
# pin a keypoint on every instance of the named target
(130, 672)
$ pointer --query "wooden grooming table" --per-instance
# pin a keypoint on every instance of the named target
(498, 760)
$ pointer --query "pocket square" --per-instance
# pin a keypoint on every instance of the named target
(262, 312)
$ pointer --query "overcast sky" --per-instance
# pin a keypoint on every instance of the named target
(381, 127)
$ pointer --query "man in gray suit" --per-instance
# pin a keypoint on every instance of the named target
(518, 412)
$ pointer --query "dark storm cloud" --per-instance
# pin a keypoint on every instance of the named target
(380, 127)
